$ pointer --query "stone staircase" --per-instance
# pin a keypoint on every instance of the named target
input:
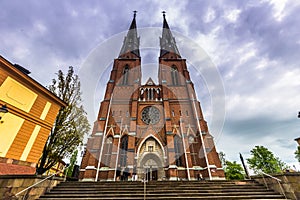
(166, 190)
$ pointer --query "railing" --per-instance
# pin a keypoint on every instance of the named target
(272, 178)
(37, 183)
(145, 180)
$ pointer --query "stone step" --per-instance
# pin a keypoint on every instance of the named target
(161, 190)
(162, 194)
(175, 198)
(129, 184)
(162, 182)
(154, 191)
(166, 185)
(153, 186)
(168, 197)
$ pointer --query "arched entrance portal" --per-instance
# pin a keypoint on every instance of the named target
(150, 161)
(151, 167)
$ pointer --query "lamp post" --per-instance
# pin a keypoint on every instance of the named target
(245, 168)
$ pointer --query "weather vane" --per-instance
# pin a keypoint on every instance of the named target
(134, 13)
(164, 13)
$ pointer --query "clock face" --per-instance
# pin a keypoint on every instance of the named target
(150, 115)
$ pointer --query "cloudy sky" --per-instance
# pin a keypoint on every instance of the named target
(254, 46)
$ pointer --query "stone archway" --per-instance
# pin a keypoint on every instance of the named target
(150, 160)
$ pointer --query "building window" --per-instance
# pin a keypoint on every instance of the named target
(151, 94)
(180, 112)
(108, 151)
(174, 75)
(178, 151)
(192, 150)
(187, 113)
(150, 148)
(158, 94)
(125, 75)
(191, 139)
(173, 113)
(123, 151)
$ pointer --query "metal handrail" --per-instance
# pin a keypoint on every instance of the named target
(16, 195)
(274, 178)
(277, 179)
(144, 180)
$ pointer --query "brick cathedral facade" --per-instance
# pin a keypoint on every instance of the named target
(154, 131)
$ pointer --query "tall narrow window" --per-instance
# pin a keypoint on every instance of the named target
(125, 75)
(123, 151)
(178, 151)
(158, 94)
(192, 150)
(173, 113)
(174, 75)
(108, 151)
(141, 94)
(151, 95)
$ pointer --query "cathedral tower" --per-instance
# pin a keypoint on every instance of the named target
(152, 131)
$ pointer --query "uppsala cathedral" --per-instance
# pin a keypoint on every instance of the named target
(154, 131)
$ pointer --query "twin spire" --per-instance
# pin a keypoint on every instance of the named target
(131, 42)
(167, 41)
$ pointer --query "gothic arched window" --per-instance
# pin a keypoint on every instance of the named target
(125, 75)
(174, 75)
(192, 150)
(178, 151)
(123, 151)
(108, 151)
(158, 94)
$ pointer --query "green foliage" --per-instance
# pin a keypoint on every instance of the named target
(297, 154)
(71, 123)
(73, 160)
(264, 160)
(234, 171)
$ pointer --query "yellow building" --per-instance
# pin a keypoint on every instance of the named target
(24, 129)
(57, 169)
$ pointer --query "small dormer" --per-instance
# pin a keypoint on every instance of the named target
(150, 82)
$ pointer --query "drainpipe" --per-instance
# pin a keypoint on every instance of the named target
(118, 150)
(104, 135)
(202, 140)
(184, 148)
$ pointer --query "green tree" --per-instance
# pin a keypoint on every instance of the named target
(297, 154)
(264, 160)
(234, 171)
(73, 160)
(71, 123)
